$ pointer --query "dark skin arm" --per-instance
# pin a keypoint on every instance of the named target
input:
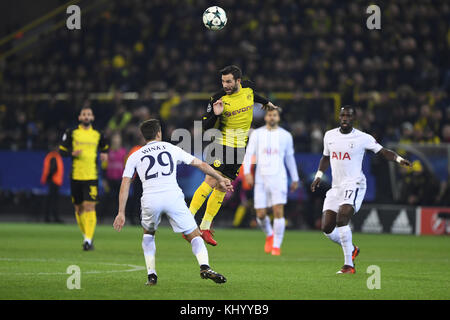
(389, 155)
(324, 164)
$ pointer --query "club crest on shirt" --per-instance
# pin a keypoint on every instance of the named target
(217, 163)
(351, 145)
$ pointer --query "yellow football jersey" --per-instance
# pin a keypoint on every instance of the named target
(90, 142)
(237, 116)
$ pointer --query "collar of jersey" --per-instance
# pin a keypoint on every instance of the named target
(345, 134)
(151, 142)
(81, 127)
(237, 93)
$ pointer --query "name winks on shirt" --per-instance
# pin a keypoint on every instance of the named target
(153, 148)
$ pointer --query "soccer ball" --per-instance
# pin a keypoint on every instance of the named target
(214, 18)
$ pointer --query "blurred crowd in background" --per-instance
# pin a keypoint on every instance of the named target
(398, 77)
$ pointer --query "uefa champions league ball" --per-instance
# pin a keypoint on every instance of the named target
(214, 18)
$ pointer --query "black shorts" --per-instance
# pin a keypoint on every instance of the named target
(84, 190)
(224, 159)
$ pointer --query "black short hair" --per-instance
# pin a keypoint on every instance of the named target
(85, 108)
(234, 70)
(349, 107)
(150, 128)
(279, 110)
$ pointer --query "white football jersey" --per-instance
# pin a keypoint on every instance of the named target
(272, 148)
(156, 165)
(346, 152)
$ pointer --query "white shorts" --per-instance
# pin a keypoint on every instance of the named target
(351, 194)
(267, 194)
(174, 206)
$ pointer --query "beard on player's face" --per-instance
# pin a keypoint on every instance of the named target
(86, 122)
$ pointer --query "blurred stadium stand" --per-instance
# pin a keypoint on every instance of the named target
(135, 59)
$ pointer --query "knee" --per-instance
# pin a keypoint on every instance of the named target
(327, 228)
(261, 214)
(192, 235)
(344, 215)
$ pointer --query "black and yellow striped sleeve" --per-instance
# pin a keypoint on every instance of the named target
(256, 97)
(209, 119)
(103, 145)
(65, 146)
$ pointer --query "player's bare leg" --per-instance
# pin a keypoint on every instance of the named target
(345, 234)
(263, 221)
(201, 253)
(279, 226)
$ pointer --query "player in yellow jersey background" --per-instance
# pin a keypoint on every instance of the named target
(231, 111)
(83, 144)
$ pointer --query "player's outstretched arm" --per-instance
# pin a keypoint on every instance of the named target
(392, 156)
(323, 166)
(119, 221)
(224, 184)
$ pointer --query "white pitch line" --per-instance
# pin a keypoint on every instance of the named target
(131, 266)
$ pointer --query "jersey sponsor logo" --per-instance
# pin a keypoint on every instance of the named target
(238, 111)
(85, 143)
(270, 151)
(340, 156)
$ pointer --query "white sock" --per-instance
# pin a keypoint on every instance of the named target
(200, 251)
(149, 247)
(88, 240)
(279, 225)
(265, 225)
(334, 236)
(345, 234)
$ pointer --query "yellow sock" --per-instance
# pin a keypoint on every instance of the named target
(239, 215)
(199, 197)
(212, 207)
(80, 223)
(90, 221)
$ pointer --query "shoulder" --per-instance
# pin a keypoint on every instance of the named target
(248, 84)
(97, 130)
(68, 133)
(217, 95)
(363, 135)
(284, 131)
(70, 130)
(330, 133)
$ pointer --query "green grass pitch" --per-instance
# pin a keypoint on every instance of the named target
(34, 259)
